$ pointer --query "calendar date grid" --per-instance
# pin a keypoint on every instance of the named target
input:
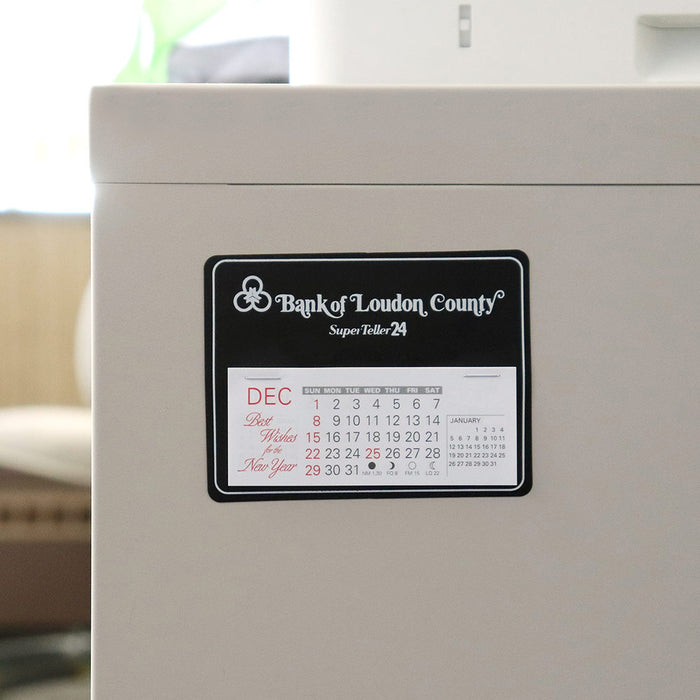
(374, 431)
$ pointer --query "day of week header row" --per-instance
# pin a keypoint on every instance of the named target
(354, 390)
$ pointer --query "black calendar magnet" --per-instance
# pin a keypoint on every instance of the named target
(368, 375)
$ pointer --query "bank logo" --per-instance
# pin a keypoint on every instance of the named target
(252, 296)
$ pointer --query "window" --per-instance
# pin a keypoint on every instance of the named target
(51, 53)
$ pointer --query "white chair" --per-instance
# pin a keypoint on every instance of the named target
(54, 441)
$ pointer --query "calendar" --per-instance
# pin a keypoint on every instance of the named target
(378, 426)
(367, 376)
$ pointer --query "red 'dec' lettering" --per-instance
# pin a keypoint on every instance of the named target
(269, 396)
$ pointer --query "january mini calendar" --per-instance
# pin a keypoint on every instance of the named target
(363, 375)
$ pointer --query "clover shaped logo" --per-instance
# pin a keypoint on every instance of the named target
(252, 296)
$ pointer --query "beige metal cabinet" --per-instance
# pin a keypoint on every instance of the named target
(584, 587)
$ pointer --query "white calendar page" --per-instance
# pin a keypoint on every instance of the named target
(372, 426)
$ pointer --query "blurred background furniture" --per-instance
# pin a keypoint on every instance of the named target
(44, 424)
